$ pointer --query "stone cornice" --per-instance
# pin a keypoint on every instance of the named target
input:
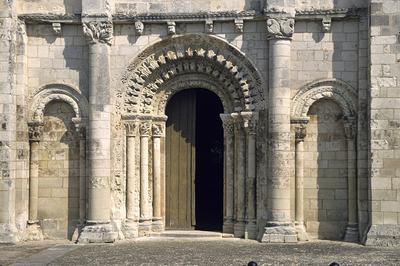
(121, 18)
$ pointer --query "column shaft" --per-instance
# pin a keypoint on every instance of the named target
(240, 177)
(228, 173)
(82, 176)
(145, 211)
(299, 161)
(33, 181)
(279, 227)
(130, 178)
(157, 214)
(250, 186)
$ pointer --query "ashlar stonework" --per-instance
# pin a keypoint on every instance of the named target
(310, 120)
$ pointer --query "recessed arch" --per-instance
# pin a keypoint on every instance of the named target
(58, 92)
(198, 54)
(340, 92)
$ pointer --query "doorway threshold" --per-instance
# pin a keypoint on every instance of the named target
(188, 234)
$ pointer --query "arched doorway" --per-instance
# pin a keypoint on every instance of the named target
(194, 161)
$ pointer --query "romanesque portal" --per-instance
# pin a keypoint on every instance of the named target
(269, 120)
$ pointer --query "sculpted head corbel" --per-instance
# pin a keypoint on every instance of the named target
(139, 27)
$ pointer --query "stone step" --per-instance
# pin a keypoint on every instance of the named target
(189, 234)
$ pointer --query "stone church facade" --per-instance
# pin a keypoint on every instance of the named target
(99, 143)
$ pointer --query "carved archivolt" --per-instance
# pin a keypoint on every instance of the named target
(146, 78)
(57, 92)
(339, 91)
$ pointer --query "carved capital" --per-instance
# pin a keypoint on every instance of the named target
(98, 31)
(131, 128)
(350, 129)
(227, 124)
(300, 133)
(158, 130)
(139, 27)
(35, 131)
(280, 28)
(250, 122)
(145, 129)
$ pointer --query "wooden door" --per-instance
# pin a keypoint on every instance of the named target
(180, 161)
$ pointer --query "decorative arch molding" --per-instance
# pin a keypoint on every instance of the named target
(337, 90)
(191, 81)
(196, 54)
(58, 92)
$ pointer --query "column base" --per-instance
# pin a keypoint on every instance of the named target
(301, 232)
(227, 227)
(387, 235)
(157, 225)
(144, 228)
(130, 229)
(8, 234)
(97, 233)
(239, 229)
(33, 231)
(279, 233)
(351, 234)
(251, 230)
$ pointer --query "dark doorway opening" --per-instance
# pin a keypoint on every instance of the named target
(194, 163)
(209, 162)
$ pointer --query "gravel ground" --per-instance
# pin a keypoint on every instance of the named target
(228, 252)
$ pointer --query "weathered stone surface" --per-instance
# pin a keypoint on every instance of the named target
(90, 74)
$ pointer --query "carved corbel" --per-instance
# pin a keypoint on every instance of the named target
(139, 27)
(98, 31)
(209, 26)
(35, 130)
(326, 24)
(280, 28)
(238, 25)
(171, 29)
(56, 27)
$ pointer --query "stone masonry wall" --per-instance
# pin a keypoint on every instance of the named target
(58, 173)
(385, 124)
(57, 59)
(325, 172)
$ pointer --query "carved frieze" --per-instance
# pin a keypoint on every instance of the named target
(35, 131)
(280, 28)
(98, 31)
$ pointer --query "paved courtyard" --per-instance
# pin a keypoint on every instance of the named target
(173, 251)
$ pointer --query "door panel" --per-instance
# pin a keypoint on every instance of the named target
(180, 161)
